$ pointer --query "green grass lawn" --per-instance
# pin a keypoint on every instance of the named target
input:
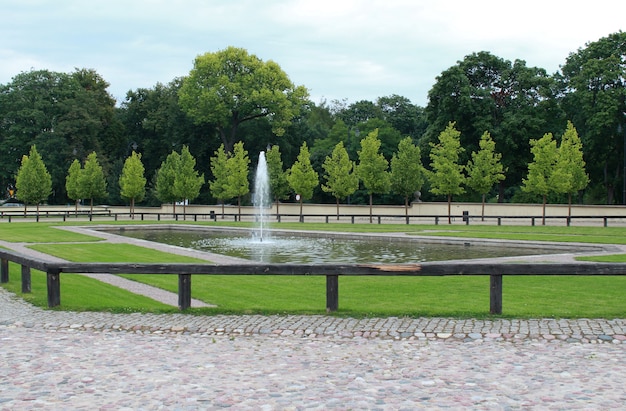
(454, 296)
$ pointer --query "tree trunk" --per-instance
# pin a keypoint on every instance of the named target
(449, 208)
(337, 199)
(569, 205)
(239, 208)
(132, 208)
(483, 209)
(301, 217)
(277, 210)
(91, 205)
(370, 208)
(406, 206)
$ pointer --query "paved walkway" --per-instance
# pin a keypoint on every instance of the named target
(52, 360)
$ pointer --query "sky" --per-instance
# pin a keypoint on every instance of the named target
(342, 49)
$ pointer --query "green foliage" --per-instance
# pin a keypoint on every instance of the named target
(569, 174)
(219, 186)
(166, 175)
(91, 180)
(237, 169)
(447, 176)
(539, 179)
(372, 167)
(229, 87)
(595, 100)
(187, 182)
(64, 114)
(485, 169)
(485, 92)
(132, 181)
(341, 181)
(302, 178)
(71, 181)
(279, 187)
(407, 172)
(33, 182)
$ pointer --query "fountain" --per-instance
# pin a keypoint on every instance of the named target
(261, 198)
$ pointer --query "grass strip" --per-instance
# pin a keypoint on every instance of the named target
(462, 297)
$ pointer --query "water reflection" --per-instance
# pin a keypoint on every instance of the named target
(304, 250)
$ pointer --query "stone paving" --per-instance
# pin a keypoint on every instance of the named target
(52, 360)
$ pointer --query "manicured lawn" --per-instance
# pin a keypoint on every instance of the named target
(524, 296)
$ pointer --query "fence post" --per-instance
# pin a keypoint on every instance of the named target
(332, 293)
(184, 291)
(25, 279)
(495, 294)
(4, 271)
(53, 279)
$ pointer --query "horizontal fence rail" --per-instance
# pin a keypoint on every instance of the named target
(332, 272)
(327, 218)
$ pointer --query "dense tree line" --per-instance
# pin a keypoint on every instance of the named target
(232, 97)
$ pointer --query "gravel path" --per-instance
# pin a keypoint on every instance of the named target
(52, 360)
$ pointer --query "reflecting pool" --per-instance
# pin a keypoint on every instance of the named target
(301, 249)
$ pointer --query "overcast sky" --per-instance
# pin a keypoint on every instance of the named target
(357, 50)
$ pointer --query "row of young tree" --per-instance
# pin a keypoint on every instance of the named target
(554, 169)
(232, 96)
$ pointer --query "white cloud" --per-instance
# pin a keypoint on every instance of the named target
(338, 49)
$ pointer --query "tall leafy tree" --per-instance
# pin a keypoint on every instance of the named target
(484, 169)
(485, 92)
(91, 181)
(71, 182)
(238, 169)
(187, 181)
(132, 181)
(302, 178)
(404, 116)
(66, 115)
(33, 182)
(220, 189)
(539, 179)
(594, 88)
(341, 180)
(446, 177)
(372, 167)
(569, 175)
(279, 187)
(154, 121)
(407, 172)
(230, 87)
(165, 179)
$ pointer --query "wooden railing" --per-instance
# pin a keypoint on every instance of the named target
(326, 218)
(332, 272)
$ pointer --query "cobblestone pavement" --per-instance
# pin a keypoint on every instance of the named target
(99, 361)
(52, 360)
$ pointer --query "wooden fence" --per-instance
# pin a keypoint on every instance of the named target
(465, 218)
(332, 272)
